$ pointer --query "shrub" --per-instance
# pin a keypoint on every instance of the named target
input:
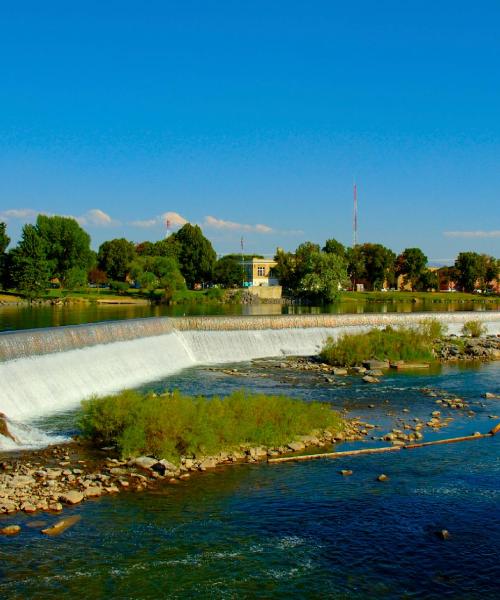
(474, 329)
(121, 287)
(402, 343)
(171, 425)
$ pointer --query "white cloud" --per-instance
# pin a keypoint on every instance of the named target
(173, 218)
(94, 217)
(473, 234)
(21, 214)
(98, 218)
(231, 225)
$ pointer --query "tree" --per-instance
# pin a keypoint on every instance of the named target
(471, 269)
(327, 276)
(67, 246)
(4, 242)
(373, 263)
(491, 269)
(411, 263)
(311, 273)
(229, 272)
(30, 269)
(153, 272)
(333, 246)
(427, 281)
(196, 254)
(114, 257)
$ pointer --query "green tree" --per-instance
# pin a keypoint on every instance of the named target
(412, 264)
(30, 269)
(285, 270)
(67, 246)
(229, 272)
(372, 263)
(196, 254)
(355, 264)
(326, 278)
(114, 257)
(4, 242)
(471, 269)
(333, 246)
(427, 281)
(153, 272)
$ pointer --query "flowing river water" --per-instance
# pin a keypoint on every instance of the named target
(298, 530)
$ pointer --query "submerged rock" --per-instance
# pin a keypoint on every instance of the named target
(10, 530)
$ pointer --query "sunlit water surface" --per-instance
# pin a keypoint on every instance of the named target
(293, 530)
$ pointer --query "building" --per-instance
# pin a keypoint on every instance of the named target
(258, 272)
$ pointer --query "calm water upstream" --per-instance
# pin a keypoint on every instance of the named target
(297, 530)
(25, 317)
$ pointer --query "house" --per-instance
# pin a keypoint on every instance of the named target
(258, 272)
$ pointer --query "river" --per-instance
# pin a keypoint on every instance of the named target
(297, 530)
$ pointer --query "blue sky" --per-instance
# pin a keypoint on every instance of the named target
(254, 118)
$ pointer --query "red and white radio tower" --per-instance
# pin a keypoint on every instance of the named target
(355, 217)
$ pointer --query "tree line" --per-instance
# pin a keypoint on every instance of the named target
(323, 272)
(56, 251)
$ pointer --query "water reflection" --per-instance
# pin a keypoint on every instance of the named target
(26, 317)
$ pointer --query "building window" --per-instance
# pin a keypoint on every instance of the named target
(261, 271)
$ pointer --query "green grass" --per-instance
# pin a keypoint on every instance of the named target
(173, 424)
(402, 343)
(404, 296)
(474, 329)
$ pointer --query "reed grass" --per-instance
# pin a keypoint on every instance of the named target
(390, 343)
(173, 424)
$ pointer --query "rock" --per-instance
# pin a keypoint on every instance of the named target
(7, 506)
(490, 396)
(10, 530)
(382, 477)
(444, 534)
(258, 452)
(61, 526)
(370, 379)
(376, 364)
(119, 472)
(339, 372)
(345, 472)
(71, 497)
(296, 446)
(92, 491)
(28, 507)
(495, 429)
(208, 463)
(144, 462)
(4, 429)
(374, 373)
(55, 506)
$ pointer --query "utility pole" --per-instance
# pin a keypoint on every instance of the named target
(242, 264)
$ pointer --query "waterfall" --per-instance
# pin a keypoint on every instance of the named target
(51, 370)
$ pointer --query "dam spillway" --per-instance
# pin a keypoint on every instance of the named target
(49, 370)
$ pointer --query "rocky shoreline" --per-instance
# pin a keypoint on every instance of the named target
(67, 474)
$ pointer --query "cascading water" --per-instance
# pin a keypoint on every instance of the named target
(47, 371)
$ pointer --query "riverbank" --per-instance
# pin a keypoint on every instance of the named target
(49, 479)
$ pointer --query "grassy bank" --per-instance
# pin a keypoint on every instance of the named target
(172, 424)
(415, 297)
(401, 343)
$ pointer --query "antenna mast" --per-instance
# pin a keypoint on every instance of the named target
(355, 217)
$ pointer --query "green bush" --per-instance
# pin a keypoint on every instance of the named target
(402, 343)
(474, 329)
(172, 424)
(121, 287)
